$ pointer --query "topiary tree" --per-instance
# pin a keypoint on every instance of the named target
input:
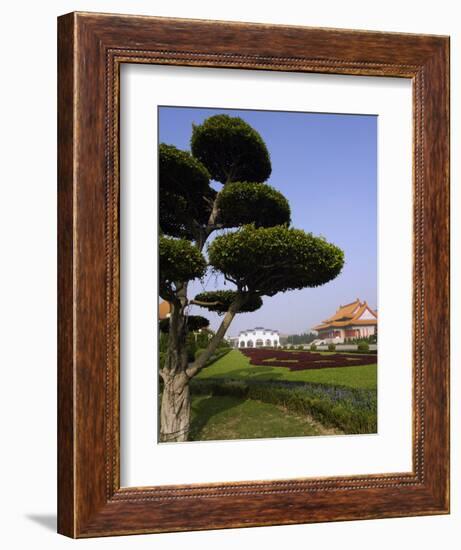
(262, 256)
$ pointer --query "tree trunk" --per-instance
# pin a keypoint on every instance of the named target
(176, 402)
(175, 405)
(175, 408)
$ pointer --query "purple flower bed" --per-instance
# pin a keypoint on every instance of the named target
(302, 360)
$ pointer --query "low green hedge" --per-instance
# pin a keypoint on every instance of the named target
(353, 411)
(368, 352)
(363, 346)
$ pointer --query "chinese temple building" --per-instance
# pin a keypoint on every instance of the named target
(354, 320)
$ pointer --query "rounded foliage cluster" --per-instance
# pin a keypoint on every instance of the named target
(197, 322)
(242, 203)
(231, 150)
(275, 259)
(179, 261)
(180, 172)
(185, 192)
(224, 299)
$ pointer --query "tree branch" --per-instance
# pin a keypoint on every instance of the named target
(214, 215)
(203, 304)
(233, 281)
(214, 342)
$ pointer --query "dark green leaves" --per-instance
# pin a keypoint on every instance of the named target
(231, 150)
(180, 261)
(197, 322)
(224, 298)
(194, 323)
(181, 173)
(185, 193)
(275, 259)
(242, 203)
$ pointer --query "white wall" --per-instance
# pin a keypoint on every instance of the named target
(27, 289)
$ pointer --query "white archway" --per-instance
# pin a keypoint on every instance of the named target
(258, 337)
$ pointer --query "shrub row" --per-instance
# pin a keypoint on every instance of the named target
(303, 360)
(353, 411)
(363, 346)
(367, 351)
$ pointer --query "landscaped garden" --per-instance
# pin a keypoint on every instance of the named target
(227, 417)
(236, 366)
(241, 396)
(303, 360)
(219, 217)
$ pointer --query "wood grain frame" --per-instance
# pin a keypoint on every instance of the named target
(91, 49)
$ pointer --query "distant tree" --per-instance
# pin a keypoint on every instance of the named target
(262, 256)
(304, 338)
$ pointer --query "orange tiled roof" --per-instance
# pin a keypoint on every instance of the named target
(349, 314)
(344, 312)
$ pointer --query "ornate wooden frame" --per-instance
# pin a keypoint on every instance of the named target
(91, 49)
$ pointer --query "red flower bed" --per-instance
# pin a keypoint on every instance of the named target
(302, 360)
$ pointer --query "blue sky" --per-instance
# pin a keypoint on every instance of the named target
(326, 166)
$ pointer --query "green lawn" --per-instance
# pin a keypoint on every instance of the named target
(226, 417)
(236, 366)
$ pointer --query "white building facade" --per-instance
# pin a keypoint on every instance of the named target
(259, 337)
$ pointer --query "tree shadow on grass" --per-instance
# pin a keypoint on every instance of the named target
(208, 407)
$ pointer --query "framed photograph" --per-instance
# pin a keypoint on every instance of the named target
(253, 259)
